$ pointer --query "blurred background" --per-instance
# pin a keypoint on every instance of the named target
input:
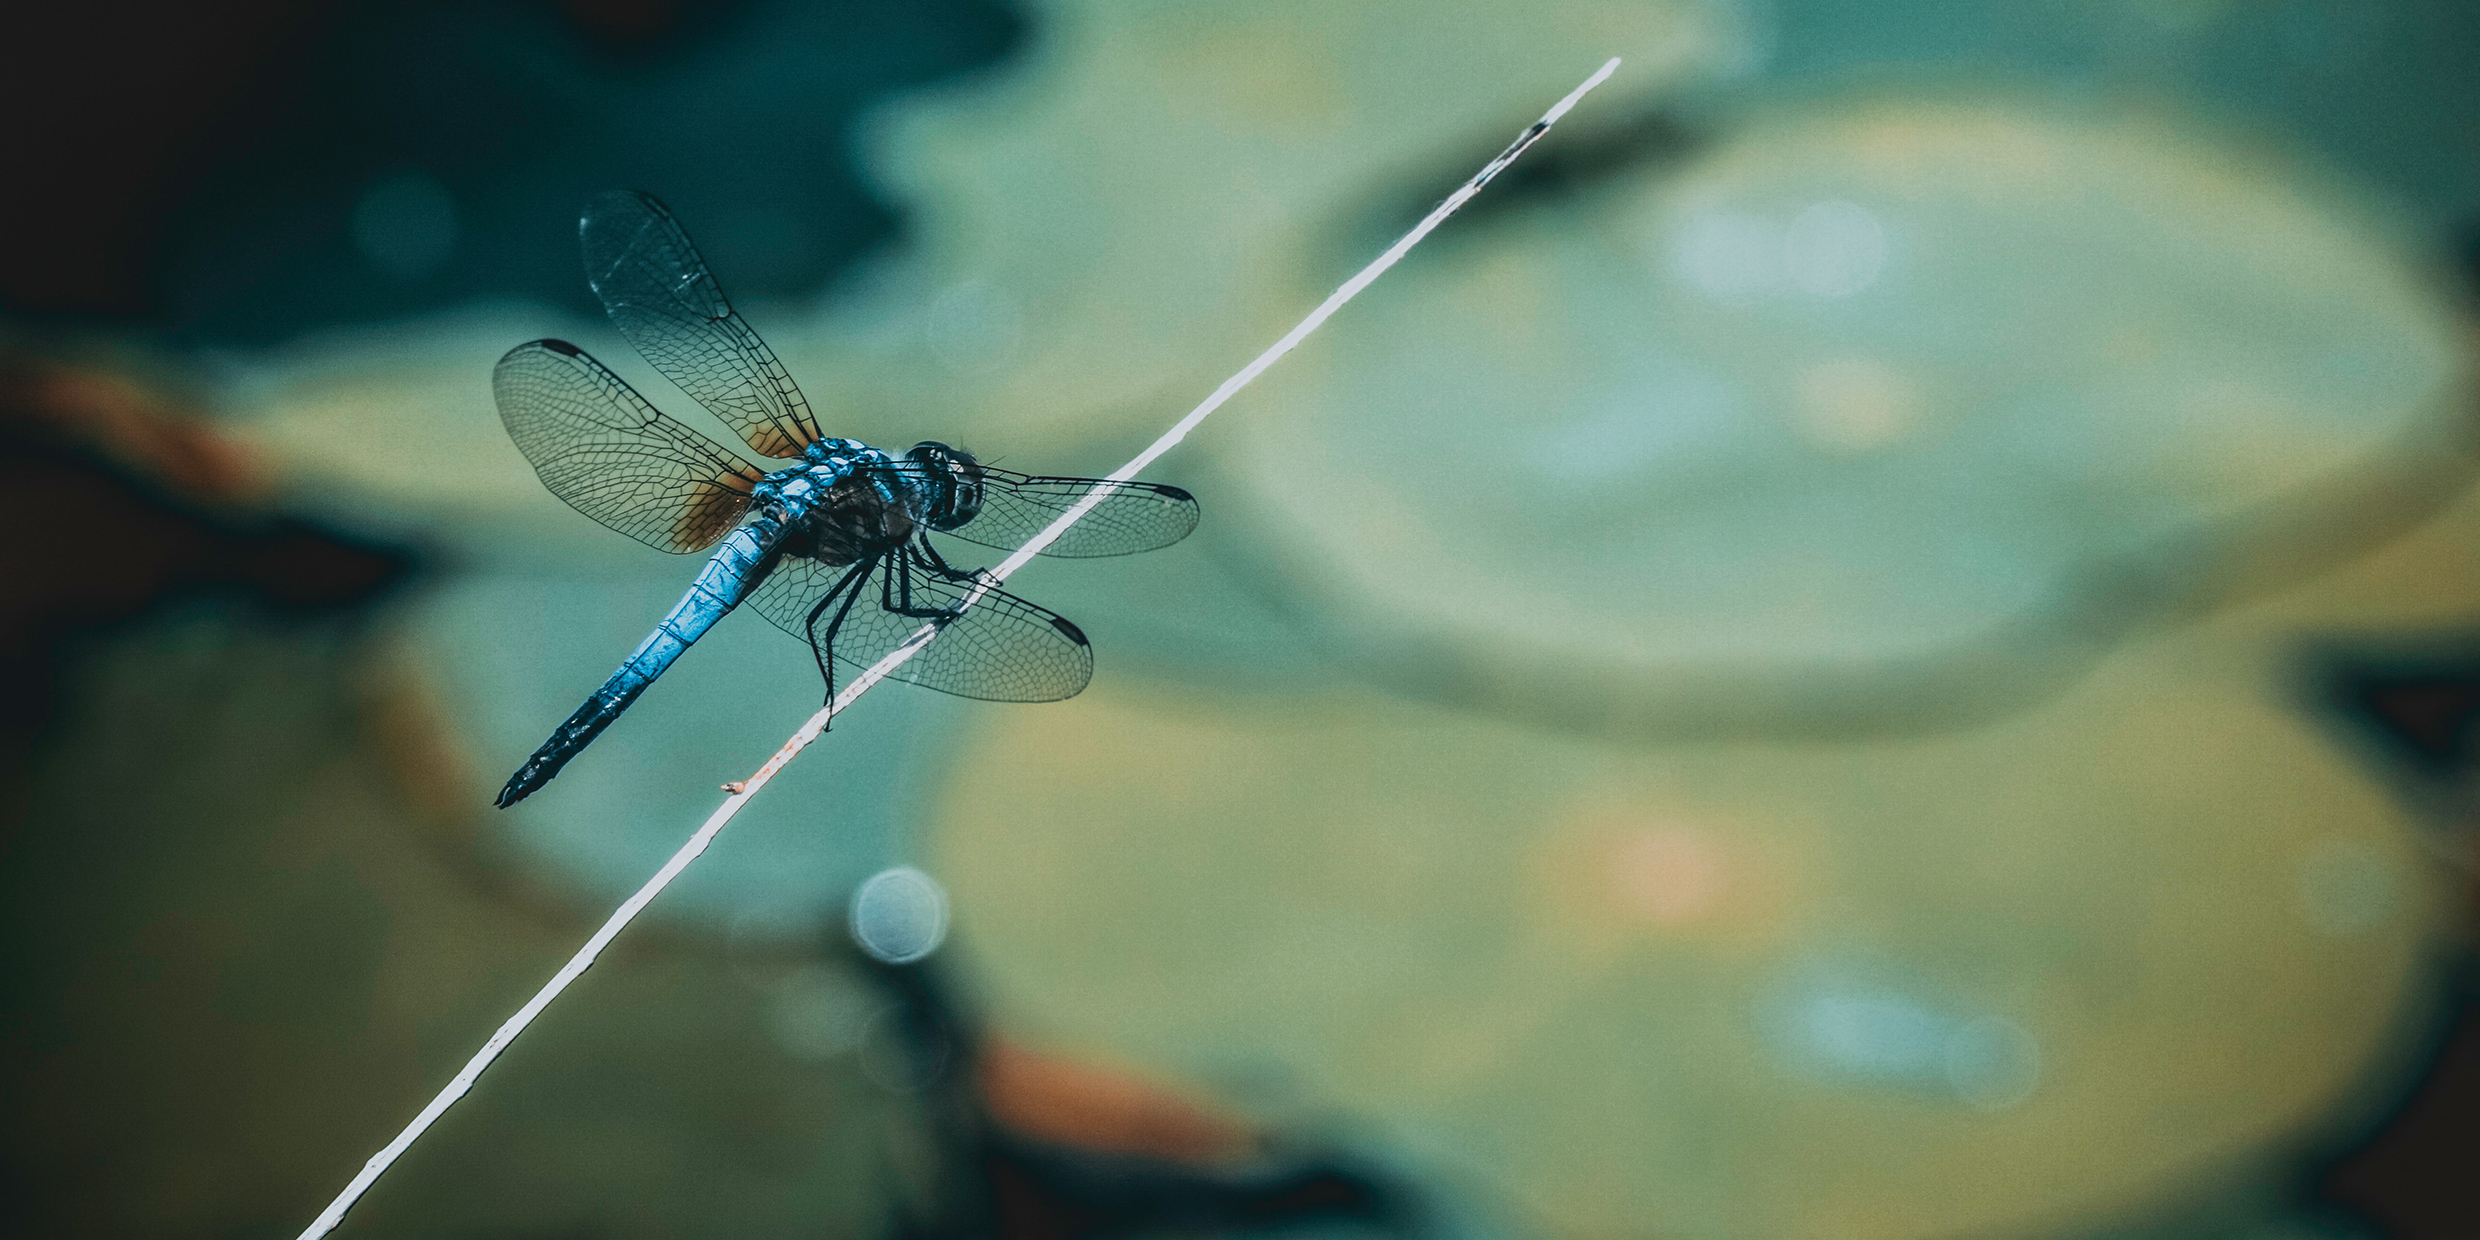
(1881, 641)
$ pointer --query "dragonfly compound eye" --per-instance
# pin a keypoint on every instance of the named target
(954, 480)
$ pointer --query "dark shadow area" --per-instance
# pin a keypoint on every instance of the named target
(2410, 705)
(2411, 1177)
(237, 174)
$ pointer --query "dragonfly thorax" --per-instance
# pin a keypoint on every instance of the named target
(846, 501)
(838, 507)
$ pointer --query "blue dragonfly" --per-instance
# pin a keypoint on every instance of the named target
(831, 540)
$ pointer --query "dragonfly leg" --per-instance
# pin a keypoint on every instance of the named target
(932, 561)
(819, 646)
(895, 590)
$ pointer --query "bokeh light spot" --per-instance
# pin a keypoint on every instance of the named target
(899, 915)
(1839, 1027)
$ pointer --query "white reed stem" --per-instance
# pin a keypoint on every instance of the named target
(913, 645)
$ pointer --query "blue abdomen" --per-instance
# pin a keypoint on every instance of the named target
(727, 578)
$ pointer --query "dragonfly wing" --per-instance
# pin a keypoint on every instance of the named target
(1135, 516)
(1002, 650)
(597, 444)
(661, 296)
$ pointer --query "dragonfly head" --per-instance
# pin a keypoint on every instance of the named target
(952, 482)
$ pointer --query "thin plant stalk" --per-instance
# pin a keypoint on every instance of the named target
(921, 638)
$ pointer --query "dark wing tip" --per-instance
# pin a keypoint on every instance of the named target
(530, 348)
(1069, 630)
(1171, 492)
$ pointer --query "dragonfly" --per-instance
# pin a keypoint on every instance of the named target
(830, 539)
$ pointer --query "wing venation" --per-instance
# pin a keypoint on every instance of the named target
(1134, 517)
(598, 445)
(1004, 649)
(659, 293)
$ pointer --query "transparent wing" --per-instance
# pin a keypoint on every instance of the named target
(660, 295)
(1137, 516)
(597, 444)
(1003, 650)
